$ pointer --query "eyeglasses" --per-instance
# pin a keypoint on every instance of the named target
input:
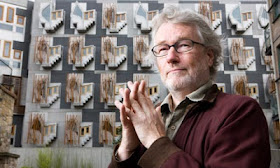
(180, 46)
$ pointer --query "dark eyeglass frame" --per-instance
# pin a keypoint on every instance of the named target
(175, 47)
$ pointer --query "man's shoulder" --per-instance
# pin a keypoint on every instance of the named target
(231, 99)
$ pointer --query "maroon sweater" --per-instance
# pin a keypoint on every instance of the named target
(221, 131)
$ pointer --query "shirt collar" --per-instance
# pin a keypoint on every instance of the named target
(207, 92)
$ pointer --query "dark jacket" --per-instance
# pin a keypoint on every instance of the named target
(221, 131)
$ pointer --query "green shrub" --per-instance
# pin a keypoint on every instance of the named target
(44, 159)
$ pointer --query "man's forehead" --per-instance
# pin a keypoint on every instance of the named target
(182, 31)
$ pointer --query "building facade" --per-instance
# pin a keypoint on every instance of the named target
(15, 26)
(274, 25)
(83, 52)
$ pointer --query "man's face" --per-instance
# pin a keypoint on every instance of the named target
(179, 71)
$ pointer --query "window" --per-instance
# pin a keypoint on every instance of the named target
(216, 15)
(120, 17)
(84, 130)
(118, 87)
(13, 130)
(246, 16)
(88, 15)
(248, 53)
(17, 54)
(253, 90)
(155, 89)
(10, 15)
(151, 14)
(16, 64)
(221, 88)
(1, 12)
(46, 130)
(7, 49)
(52, 129)
(20, 20)
(56, 15)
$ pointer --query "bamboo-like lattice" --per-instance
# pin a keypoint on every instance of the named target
(241, 85)
(72, 128)
(107, 88)
(106, 128)
(36, 129)
(73, 87)
(42, 49)
(75, 50)
(271, 85)
(205, 9)
(109, 16)
(40, 88)
(276, 130)
(139, 77)
(140, 48)
(237, 55)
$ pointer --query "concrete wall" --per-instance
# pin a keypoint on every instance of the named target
(97, 157)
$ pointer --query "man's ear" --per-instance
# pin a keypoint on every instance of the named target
(210, 57)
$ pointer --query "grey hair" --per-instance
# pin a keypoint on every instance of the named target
(211, 40)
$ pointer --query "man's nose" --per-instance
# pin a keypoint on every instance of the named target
(172, 55)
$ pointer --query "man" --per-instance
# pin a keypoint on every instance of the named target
(196, 125)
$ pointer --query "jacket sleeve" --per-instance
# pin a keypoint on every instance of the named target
(240, 140)
(131, 162)
(163, 153)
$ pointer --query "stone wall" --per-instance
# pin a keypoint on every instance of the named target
(7, 100)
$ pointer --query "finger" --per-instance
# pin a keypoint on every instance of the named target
(126, 100)
(130, 85)
(158, 111)
(142, 87)
(134, 90)
(123, 116)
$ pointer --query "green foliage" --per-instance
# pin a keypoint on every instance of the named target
(26, 167)
(57, 159)
(44, 159)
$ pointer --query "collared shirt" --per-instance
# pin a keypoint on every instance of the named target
(173, 119)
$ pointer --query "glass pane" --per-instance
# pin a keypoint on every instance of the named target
(218, 15)
(10, 14)
(53, 15)
(52, 129)
(91, 14)
(16, 64)
(55, 90)
(17, 55)
(89, 50)
(52, 51)
(46, 130)
(86, 15)
(56, 50)
(50, 91)
(84, 51)
(7, 49)
(59, 14)
(20, 20)
(1, 12)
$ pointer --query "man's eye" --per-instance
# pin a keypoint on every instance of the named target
(163, 48)
(184, 45)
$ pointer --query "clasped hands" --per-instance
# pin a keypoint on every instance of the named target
(141, 122)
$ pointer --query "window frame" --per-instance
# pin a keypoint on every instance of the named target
(4, 48)
(2, 15)
(7, 17)
(19, 51)
(23, 19)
